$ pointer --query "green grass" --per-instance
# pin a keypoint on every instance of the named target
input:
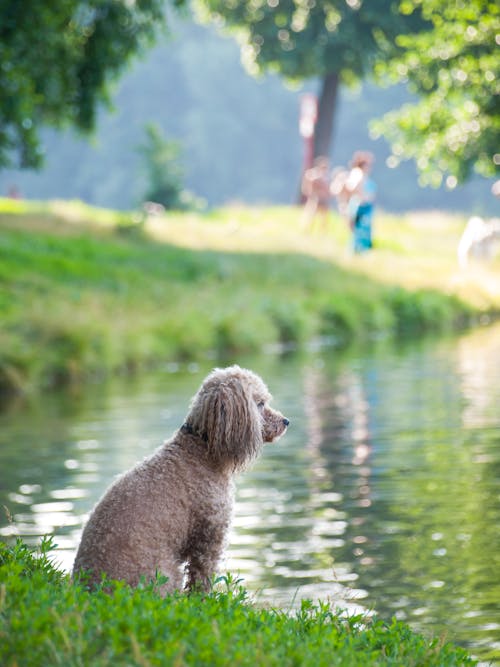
(86, 292)
(46, 619)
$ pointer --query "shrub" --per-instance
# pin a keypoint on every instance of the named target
(164, 173)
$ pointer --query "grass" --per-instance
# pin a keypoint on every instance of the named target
(46, 619)
(85, 292)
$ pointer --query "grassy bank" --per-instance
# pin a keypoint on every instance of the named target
(86, 292)
(47, 620)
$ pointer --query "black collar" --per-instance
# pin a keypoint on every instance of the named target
(188, 430)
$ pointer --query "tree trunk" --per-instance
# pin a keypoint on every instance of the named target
(327, 108)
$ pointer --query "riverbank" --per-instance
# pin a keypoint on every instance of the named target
(86, 292)
(49, 620)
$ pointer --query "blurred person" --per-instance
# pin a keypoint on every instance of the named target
(338, 190)
(495, 189)
(360, 191)
(315, 188)
(14, 192)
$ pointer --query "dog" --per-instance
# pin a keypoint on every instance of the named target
(478, 240)
(170, 514)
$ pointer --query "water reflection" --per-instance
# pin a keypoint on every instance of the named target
(383, 495)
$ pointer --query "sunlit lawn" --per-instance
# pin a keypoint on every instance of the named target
(414, 250)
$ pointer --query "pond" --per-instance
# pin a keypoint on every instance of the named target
(383, 495)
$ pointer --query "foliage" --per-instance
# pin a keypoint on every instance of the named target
(47, 619)
(84, 293)
(209, 119)
(165, 176)
(58, 59)
(338, 41)
(305, 39)
(454, 126)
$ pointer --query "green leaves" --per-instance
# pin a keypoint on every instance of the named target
(453, 129)
(57, 60)
(301, 39)
(340, 41)
(164, 172)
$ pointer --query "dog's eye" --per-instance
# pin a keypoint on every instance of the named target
(260, 405)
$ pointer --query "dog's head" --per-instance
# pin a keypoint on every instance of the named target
(231, 414)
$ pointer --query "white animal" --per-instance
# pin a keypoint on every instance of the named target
(478, 240)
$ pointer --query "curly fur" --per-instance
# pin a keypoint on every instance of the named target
(170, 514)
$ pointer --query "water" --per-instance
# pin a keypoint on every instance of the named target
(383, 495)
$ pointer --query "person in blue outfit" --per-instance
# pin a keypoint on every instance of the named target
(362, 190)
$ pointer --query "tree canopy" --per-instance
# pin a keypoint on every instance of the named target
(454, 126)
(57, 58)
(446, 52)
(339, 41)
(300, 39)
(251, 123)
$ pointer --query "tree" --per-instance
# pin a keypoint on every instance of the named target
(164, 173)
(337, 40)
(57, 58)
(454, 127)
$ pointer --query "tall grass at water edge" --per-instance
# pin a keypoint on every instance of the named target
(46, 619)
(86, 292)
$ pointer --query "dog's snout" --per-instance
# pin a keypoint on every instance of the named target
(286, 421)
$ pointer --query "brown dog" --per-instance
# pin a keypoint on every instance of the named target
(170, 514)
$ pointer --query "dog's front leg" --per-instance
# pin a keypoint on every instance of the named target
(204, 557)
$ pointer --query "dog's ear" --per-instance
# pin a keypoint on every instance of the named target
(233, 424)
